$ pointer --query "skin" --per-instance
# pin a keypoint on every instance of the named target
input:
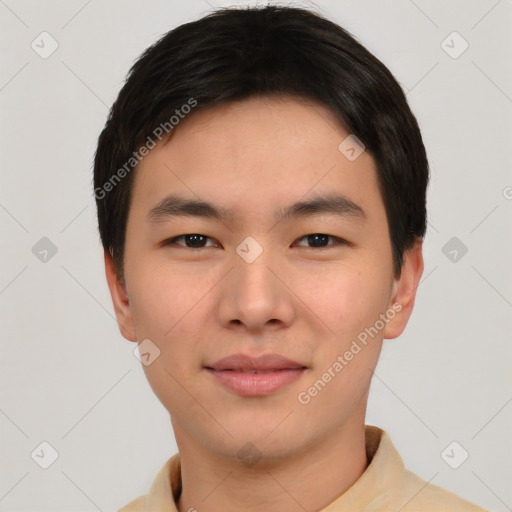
(302, 302)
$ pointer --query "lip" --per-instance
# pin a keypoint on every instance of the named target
(255, 376)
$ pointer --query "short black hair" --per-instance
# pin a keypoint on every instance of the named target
(235, 53)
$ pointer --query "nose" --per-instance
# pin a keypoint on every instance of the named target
(254, 296)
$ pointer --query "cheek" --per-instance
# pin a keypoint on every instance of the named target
(350, 300)
(169, 307)
(161, 298)
(165, 309)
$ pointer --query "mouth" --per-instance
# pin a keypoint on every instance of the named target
(255, 376)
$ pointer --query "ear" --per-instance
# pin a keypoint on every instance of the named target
(404, 290)
(120, 300)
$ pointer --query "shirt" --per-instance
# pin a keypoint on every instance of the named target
(385, 486)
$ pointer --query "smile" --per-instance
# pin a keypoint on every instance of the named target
(250, 376)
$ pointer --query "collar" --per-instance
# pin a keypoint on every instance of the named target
(374, 486)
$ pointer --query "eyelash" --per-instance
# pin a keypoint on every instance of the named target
(172, 241)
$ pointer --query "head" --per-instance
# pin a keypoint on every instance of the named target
(290, 155)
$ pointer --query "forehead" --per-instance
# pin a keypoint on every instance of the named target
(255, 154)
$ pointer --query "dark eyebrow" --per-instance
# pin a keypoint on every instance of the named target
(335, 204)
(176, 206)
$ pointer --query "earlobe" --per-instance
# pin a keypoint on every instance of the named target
(120, 300)
(404, 290)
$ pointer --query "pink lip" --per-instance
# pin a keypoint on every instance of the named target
(236, 372)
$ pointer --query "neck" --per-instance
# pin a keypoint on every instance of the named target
(308, 480)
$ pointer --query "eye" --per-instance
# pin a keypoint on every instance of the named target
(192, 241)
(199, 241)
(320, 240)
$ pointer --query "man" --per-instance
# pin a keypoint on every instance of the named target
(261, 186)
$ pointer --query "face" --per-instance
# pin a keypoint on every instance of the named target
(288, 293)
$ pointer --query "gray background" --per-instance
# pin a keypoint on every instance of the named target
(70, 379)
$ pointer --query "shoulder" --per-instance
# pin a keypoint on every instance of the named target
(165, 488)
(420, 496)
(137, 505)
(395, 486)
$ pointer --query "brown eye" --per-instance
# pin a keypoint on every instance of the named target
(191, 241)
(321, 240)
